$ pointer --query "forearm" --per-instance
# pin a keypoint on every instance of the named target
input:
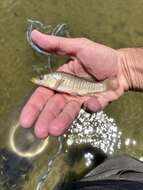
(132, 66)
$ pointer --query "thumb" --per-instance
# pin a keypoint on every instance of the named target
(69, 46)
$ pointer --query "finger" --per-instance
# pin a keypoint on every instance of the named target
(64, 119)
(102, 100)
(49, 113)
(75, 67)
(109, 96)
(34, 106)
(56, 44)
(93, 104)
(70, 68)
(65, 68)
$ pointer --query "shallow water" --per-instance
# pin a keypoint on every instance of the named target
(114, 23)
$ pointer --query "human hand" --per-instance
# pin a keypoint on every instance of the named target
(53, 112)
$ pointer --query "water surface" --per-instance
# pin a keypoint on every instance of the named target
(116, 24)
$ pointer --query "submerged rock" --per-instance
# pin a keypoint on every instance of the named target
(14, 170)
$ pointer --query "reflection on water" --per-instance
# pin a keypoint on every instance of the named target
(24, 142)
(113, 23)
(132, 144)
(96, 129)
(50, 165)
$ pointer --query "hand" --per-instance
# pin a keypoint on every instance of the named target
(53, 112)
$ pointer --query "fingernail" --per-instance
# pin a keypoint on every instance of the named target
(25, 121)
(41, 132)
(54, 130)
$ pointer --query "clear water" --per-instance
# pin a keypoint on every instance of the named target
(114, 23)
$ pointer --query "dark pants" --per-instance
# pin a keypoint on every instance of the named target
(116, 173)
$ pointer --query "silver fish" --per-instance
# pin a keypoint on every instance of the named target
(71, 84)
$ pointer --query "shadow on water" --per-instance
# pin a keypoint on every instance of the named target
(84, 155)
(14, 170)
(114, 23)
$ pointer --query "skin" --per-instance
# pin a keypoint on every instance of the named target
(54, 112)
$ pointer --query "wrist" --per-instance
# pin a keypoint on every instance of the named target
(131, 64)
(123, 79)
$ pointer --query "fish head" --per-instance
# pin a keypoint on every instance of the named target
(47, 80)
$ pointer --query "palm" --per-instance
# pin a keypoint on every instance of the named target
(54, 112)
(98, 66)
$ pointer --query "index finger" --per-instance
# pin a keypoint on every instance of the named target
(34, 106)
(63, 121)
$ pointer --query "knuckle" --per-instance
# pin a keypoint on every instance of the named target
(59, 44)
(75, 105)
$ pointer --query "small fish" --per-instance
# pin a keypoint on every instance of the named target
(71, 84)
